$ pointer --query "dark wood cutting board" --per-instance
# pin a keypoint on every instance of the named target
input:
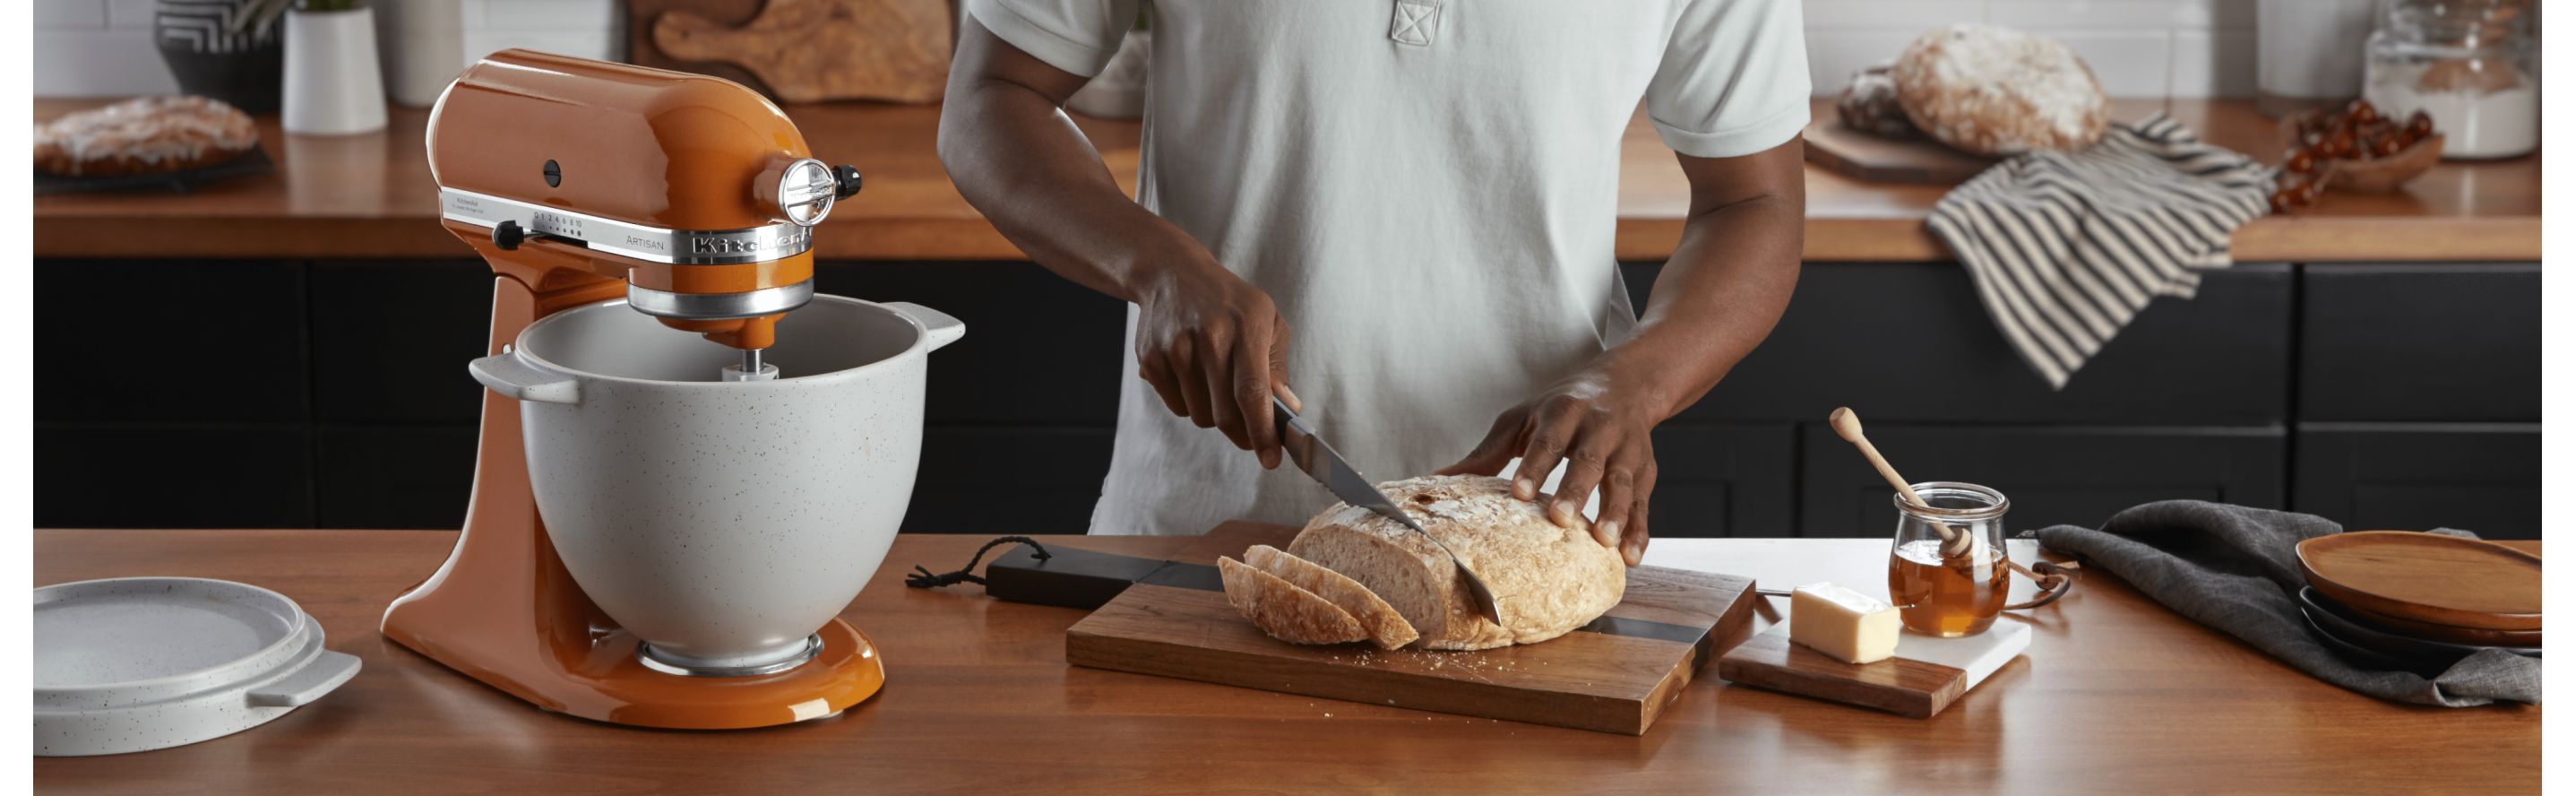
(1872, 158)
(801, 50)
(1615, 675)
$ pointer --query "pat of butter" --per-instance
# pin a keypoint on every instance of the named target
(1845, 624)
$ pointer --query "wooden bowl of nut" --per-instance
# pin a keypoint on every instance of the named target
(2353, 149)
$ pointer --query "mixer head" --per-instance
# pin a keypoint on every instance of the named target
(696, 191)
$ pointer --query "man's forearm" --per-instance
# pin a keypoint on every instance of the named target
(1718, 296)
(1021, 162)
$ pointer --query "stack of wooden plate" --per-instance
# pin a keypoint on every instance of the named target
(2417, 601)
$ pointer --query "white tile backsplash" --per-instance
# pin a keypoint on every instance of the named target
(99, 63)
(103, 48)
(70, 14)
(2138, 48)
(2217, 63)
(2184, 48)
(128, 13)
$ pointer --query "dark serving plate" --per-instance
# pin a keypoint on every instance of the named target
(254, 161)
(2377, 646)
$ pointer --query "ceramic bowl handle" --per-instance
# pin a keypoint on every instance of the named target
(509, 375)
(307, 683)
(944, 329)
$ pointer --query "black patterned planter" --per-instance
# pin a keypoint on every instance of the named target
(214, 53)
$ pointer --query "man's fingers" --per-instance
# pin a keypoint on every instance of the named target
(1156, 370)
(1632, 539)
(1191, 384)
(1501, 442)
(1618, 490)
(1585, 464)
(1545, 448)
(1216, 372)
(1253, 366)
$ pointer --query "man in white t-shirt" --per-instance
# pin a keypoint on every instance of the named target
(1427, 190)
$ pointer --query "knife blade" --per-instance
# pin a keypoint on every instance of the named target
(1317, 459)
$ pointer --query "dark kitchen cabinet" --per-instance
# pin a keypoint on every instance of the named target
(188, 341)
(2475, 477)
(1910, 342)
(2448, 342)
(390, 340)
(2053, 475)
(393, 476)
(1001, 480)
(1038, 349)
(1722, 480)
(287, 392)
(173, 476)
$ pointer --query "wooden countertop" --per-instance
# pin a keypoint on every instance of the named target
(371, 196)
(2116, 695)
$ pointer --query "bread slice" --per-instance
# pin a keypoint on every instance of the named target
(1384, 624)
(1284, 611)
(1547, 580)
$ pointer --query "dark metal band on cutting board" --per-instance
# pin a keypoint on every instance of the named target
(1077, 578)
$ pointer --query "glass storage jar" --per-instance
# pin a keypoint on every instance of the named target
(1946, 572)
(2470, 64)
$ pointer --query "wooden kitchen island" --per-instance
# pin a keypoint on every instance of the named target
(2116, 695)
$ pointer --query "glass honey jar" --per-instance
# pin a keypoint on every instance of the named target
(1946, 571)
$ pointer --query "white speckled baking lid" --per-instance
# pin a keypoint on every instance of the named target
(130, 664)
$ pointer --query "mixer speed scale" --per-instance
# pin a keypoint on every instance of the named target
(690, 462)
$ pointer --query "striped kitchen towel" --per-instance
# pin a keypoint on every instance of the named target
(2065, 247)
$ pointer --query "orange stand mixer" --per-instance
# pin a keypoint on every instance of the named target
(692, 198)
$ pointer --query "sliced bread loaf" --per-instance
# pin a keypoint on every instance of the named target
(1547, 580)
(1284, 611)
(1384, 624)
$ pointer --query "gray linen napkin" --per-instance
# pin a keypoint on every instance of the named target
(2236, 569)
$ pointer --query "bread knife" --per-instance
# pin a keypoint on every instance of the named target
(1319, 461)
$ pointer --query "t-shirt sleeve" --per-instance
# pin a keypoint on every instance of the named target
(1733, 80)
(1076, 36)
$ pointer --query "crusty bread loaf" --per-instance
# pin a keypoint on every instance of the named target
(1997, 91)
(144, 135)
(1284, 611)
(1385, 626)
(1546, 580)
(1869, 105)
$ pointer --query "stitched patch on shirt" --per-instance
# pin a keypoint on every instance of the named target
(1414, 22)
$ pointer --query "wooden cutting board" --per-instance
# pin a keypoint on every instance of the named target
(802, 50)
(1927, 674)
(1615, 675)
(1871, 158)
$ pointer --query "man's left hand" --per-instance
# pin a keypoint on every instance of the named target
(1602, 430)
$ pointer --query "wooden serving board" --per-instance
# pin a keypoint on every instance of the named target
(1615, 675)
(802, 50)
(1873, 158)
(1926, 675)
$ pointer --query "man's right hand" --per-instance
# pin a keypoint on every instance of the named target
(1215, 348)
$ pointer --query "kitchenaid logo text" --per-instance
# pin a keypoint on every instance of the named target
(746, 244)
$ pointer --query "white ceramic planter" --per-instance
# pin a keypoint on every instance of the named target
(722, 522)
(333, 86)
(424, 47)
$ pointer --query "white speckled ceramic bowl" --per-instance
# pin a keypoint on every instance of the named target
(722, 522)
(130, 664)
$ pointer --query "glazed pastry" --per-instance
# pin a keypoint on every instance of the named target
(148, 135)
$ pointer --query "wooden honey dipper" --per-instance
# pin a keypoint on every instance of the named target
(1955, 543)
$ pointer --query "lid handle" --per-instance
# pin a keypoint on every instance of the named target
(307, 683)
